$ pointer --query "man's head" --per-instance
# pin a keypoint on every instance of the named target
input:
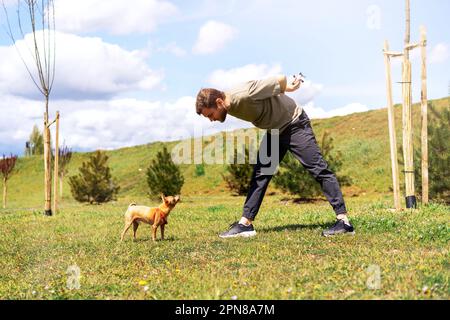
(211, 104)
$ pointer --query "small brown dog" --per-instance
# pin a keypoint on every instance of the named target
(156, 217)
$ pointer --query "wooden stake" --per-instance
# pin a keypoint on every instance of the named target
(408, 136)
(424, 102)
(56, 166)
(408, 147)
(408, 28)
(392, 132)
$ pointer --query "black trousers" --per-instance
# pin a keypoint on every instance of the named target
(299, 139)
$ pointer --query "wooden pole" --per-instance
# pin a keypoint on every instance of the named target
(408, 148)
(424, 102)
(56, 166)
(408, 28)
(392, 132)
(47, 168)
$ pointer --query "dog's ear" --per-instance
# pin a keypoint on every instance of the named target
(177, 198)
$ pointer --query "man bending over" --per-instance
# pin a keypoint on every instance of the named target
(265, 105)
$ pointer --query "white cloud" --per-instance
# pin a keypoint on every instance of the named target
(113, 16)
(226, 79)
(440, 53)
(107, 124)
(213, 36)
(86, 68)
(319, 113)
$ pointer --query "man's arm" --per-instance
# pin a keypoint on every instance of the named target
(288, 87)
(273, 86)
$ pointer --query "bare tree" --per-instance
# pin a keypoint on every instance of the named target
(6, 168)
(65, 155)
(39, 17)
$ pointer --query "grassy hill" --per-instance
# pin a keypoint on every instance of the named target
(362, 139)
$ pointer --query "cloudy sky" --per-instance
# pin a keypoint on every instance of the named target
(127, 72)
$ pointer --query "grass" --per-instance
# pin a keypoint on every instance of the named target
(287, 260)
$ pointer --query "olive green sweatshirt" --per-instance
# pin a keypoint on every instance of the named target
(262, 103)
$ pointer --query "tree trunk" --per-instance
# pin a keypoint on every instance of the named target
(5, 190)
(47, 166)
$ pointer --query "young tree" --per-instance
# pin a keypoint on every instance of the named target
(6, 168)
(294, 179)
(239, 176)
(39, 15)
(65, 156)
(94, 183)
(164, 176)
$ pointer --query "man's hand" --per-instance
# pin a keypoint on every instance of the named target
(293, 86)
(289, 86)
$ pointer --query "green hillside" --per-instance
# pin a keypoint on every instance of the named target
(362, 138)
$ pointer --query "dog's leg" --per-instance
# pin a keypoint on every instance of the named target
(154, 229)
(162, 231)
(135, 227)
(127, 226)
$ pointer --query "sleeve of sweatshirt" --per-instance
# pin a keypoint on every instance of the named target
(263, 89)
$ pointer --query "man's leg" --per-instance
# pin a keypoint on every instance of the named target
(258, 185)
(303, 146)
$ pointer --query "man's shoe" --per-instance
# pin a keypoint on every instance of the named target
(239, 230)
(340, 227)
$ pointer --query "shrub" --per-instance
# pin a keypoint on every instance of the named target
(164, 176)
(296, 180)
(94, 183)
(239, 176)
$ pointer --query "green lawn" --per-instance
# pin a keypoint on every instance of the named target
(287, 260)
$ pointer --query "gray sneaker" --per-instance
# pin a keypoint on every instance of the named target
(238, 230)
(340, 227)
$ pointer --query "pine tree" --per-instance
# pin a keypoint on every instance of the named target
(94, 183)
(164, 176)
(296, 180)
(239, 176)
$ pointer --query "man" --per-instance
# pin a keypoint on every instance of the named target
(265, 104)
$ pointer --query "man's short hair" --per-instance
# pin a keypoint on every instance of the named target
(206, 98)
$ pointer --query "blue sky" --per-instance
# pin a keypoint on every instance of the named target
(134, 69)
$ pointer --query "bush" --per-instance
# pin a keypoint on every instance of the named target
(199, 170)
(239, 175)
(163, 176)
(296, 180)
(94, 183)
